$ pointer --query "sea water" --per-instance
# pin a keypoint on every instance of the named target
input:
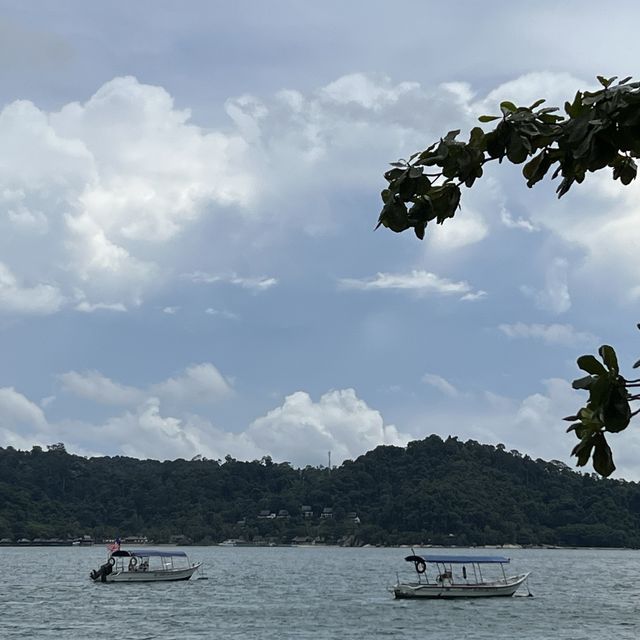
(313, 592)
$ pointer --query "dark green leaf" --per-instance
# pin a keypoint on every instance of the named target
(606, 82)
(582, 383)
(599, 391)
(616, 412)
(536, 168)
(583, 450)
(394, 217)
(591, 365)
(507, 107)
(608, 355)
(602, 458)
(488, 118)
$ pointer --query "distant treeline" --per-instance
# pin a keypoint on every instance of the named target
(431, 492)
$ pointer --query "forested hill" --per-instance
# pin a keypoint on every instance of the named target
(432, 491)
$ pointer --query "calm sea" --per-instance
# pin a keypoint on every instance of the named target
(312, 592)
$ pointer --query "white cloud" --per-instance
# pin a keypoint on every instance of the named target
(87, 307)
(16, 410)
(469, 228)
(423, 282)
(516, 223)
(198, 383)
(41, 299)
(554, 87)
(92, 385)
(223, 313)
(531, 425)
(98, 187)
(563, 334)
(367, 91)
(555, 297)
(439, 383)
(255, 284)
(302, 431)
(171, 310)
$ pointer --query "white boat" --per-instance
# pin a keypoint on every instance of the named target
(145, 565)
(453, 576)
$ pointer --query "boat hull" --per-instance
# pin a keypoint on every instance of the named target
(169, 575)
(503, 589)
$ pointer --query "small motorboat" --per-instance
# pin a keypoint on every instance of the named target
(146, 565)
(453, 576)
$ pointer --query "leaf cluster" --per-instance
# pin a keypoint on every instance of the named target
(608, 409)
(600, 129)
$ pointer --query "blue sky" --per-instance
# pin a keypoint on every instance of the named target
(187, 258)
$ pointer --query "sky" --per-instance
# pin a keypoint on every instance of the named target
(188, 261)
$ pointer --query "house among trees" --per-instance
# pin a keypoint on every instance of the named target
(265, 514)
(327, 512)
(307, 511)
(353, 516)
(135, 540)
(283, 514)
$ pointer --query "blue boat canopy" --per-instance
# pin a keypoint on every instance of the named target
(148, 553)
(460, 559)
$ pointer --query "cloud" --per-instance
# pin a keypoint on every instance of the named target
(41, 299)
(16, 410)
(302, 431)
(95, 192)
(516, 223)
(367, 91)
(254, 284)
(423, 282)
(201, 383)
(554, 87)
(555, 334)
(532, 424)
(198, 383)
(92, 385)
(87, 307)
(96, 188)
(222, 313)
(439, 383)
(469, 228)
(555, 296)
